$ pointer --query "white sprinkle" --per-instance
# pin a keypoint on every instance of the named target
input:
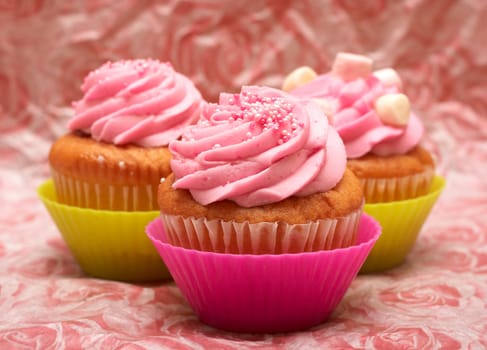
(101, 159)
(162, 180)
(121, 164)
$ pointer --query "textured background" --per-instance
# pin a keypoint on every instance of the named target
(437, 299)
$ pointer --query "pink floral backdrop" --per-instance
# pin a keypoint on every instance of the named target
(436, 300)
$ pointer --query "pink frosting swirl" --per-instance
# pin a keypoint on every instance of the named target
(351, 107)
(258, 147)
(144, 102)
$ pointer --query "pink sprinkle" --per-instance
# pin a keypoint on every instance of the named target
(262, 113)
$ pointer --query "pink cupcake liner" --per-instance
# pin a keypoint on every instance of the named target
(264, 293)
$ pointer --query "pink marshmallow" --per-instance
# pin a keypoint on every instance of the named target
(350, 66)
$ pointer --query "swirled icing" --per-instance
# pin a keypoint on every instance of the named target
(143, 101)
(351, 106)
(258, 147)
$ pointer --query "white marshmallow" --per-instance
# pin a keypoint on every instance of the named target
(388, 77)
(298, 77)
(350, 66)
(393, 109)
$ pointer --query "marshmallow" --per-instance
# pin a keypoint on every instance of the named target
(388, 77)
(393, 109)
(298, 77)
(350, 66)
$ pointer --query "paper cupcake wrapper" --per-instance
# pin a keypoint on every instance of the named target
(107, 244)
(85, 194)
(397, 188)
(261, 238)
(264, 293)
(401, 223)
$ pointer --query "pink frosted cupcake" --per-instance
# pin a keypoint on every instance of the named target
(261, 221)
(374, 119)
(382, 138)
(107, 169)
(260, 173)
(116, 152)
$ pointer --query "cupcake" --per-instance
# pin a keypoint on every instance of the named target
(374, 119)
(116, 152)
(106, 170)
(261, 173)
(382, 138)
(262, 226)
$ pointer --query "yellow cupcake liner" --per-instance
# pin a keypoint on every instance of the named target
(401, 223)
(107, 244)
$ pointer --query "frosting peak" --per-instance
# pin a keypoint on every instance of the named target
(143, 101)
(366, 107)
(258, 147)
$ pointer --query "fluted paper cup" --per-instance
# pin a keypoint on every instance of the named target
(264, 293)
(107, 244)
(261, 238)
(401, 223)
(86, 194)
(397, 188)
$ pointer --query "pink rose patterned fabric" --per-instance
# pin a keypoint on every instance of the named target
(436, 300)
